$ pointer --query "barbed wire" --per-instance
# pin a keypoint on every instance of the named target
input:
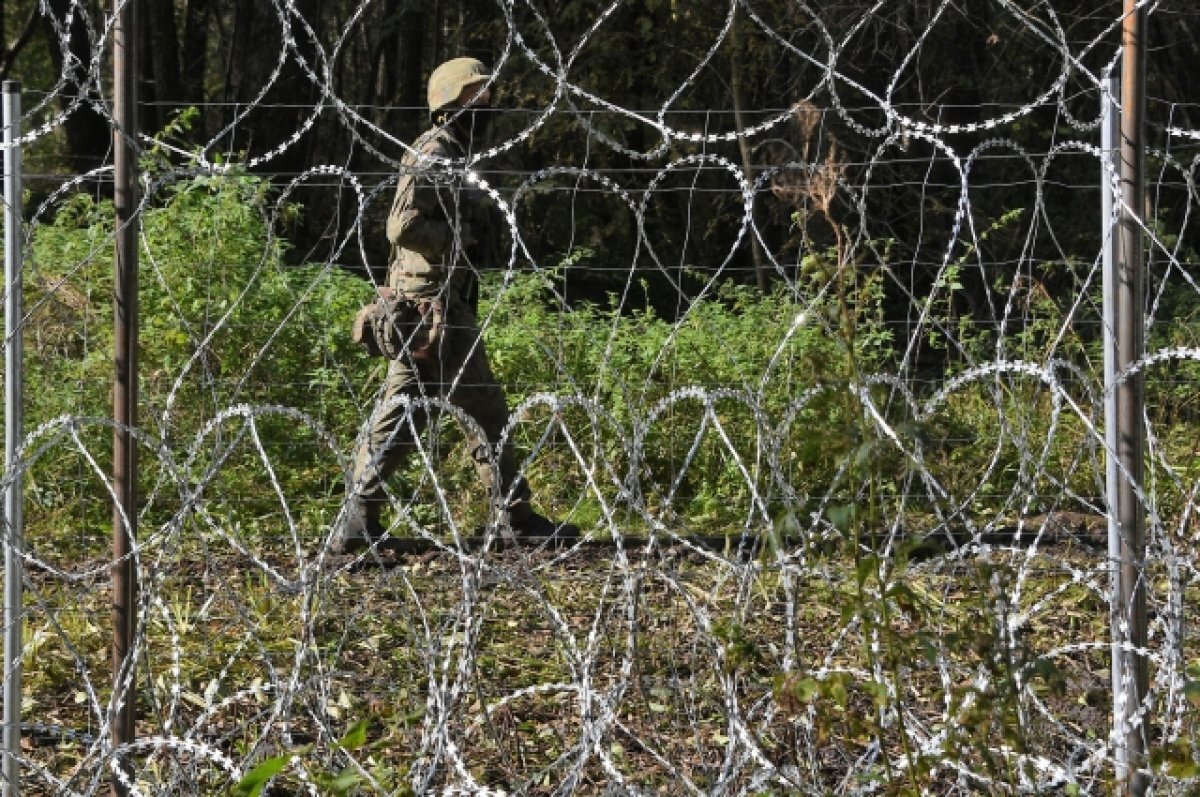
(819, 382)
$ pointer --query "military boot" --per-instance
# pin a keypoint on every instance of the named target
(360, 527)
(536, 525)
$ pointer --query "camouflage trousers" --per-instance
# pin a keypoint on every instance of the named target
(457, 371)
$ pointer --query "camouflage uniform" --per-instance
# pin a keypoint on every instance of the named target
(440, 229)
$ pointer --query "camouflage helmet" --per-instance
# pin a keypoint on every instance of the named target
(449, 80)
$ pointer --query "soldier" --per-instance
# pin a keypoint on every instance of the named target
(441, 231)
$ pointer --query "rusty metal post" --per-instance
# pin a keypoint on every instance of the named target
(1130, 741)
(124, 574)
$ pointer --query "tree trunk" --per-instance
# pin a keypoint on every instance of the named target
(761, 276)
(282, 110)
(403, 87)
(162, 83)
(11, 53)
(88, 136)
(193, 62)
(477, 36)
(411, 59)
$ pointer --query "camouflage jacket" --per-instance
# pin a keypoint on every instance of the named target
(440, 226)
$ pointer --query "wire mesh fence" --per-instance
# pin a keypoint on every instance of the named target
(819, 381)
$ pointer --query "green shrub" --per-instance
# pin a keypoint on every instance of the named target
(748, 403)
(702, 454)
(223, 322)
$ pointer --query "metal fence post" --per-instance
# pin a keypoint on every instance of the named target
(1110, 136)
(14, 389)
(125, 341)
(1129, 618)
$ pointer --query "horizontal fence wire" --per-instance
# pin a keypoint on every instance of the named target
(817, 383)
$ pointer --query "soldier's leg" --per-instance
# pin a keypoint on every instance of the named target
(484, 399)
(478, 393)
(388, 436)
(489, 408)
(385, 442)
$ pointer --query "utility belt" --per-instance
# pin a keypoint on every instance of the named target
(394, 325)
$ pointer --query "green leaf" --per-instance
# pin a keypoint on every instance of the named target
(355, 737)
(878, 692)
(252, 783)
(1191, 693)
(865, 453)
(841, 516)
(1182, 769)
(806, 689)
(867, 567)
(344, 781)
(799, 689)
(838, 693)
(1175, 759)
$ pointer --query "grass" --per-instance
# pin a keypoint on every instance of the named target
(657, 669)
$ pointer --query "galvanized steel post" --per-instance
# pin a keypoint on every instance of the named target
(14, 389)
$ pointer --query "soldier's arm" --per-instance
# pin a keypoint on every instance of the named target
(420, 230)
(419, 220)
